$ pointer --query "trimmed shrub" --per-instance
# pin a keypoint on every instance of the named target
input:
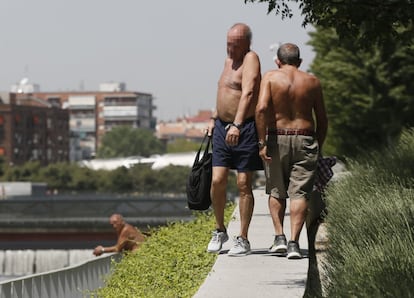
(171, 263)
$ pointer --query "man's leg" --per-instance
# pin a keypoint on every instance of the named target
(218, 195)
(298, 210)
(277, 208)
(246, 204)
(246, 201)
(218, 199)
(302, 176)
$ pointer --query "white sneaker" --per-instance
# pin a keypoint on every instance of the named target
(241, 247)
(217, 241)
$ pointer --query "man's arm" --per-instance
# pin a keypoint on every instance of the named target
(250, 79)
(99, 250)
(320, 116)
(212, 123)
(262, 110)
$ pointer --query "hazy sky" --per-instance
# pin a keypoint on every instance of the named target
(172, 49)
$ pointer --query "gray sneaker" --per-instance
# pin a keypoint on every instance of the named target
(241, 247)
(293, 251)
(279, 245)
(217, 240)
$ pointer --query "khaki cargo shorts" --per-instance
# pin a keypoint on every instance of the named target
(291, 174)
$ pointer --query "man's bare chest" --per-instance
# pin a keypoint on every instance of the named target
(231, 79)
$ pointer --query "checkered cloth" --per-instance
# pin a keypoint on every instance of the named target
(324, 172)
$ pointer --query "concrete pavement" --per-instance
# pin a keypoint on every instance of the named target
(260, 274)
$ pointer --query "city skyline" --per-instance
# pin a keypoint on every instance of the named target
(173, 50)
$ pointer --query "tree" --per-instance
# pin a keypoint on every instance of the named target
(362, 21)
(182, 145)
(368, 92)
(128, 141)
(57, 175)
(29, 171)
(170, 179)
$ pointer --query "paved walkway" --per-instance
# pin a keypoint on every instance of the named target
(260, 274)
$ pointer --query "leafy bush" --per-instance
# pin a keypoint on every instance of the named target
(168, 179)
(173, 262)
(129, 141)
(371, 226)
(182, 145)
(70, 177)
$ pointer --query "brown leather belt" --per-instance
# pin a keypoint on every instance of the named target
(291, 132)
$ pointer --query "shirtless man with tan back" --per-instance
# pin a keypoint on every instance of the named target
(234, 136)
(129, 237)
(292, 125)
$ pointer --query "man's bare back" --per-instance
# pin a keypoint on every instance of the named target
(294, 94)
(129, 237)
(292, 99)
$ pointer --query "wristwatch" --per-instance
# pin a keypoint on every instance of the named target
(261, 144)
(238, 125)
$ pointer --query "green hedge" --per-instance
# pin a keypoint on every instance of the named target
(172, 262)
(371, 225)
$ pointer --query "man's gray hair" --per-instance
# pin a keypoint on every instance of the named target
(289, 53)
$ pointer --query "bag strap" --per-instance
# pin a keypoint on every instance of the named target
(207, 145)
(207, 148)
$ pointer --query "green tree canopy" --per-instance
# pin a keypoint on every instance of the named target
(128, 141)
(363, 21)
(182, 145)
(368, 92)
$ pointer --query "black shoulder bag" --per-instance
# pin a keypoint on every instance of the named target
(199, 180)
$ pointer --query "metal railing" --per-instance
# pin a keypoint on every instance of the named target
(73, 281)
(89, 211)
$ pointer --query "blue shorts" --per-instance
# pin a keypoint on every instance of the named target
(243, 157)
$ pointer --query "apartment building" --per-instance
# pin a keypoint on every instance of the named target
(93, 113)
(32, 130)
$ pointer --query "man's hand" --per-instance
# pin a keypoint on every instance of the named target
(232, 136)
(264, 156)
(98, 250)
(210, 127)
